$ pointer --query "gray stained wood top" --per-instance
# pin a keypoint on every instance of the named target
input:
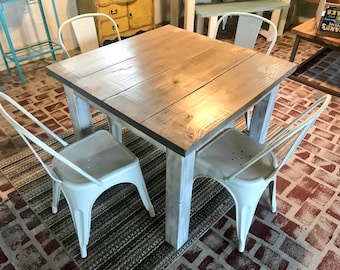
(178, 87)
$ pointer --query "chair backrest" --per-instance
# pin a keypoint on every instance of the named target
(29, 138)
(293, 133)
(85, 31)
(248, 29)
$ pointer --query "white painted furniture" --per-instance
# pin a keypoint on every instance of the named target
(246, 168)
(179, 99)
(83, 170)
(278, 16)
(214, 11)
(85, 31)
(189, 13)
(247, 30)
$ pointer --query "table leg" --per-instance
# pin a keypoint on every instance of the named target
(174, 12)
(275, 18)
(189, 15)
(295, 47)
(115, 128)
(179, 182)
(80, 113)
(282, 22)
(261, 116)
(212, 26)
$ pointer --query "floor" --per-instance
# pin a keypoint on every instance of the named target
(303, 234)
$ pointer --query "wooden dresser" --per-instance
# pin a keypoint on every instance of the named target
(131, 16)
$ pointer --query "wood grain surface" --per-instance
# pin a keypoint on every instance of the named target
(178, 87)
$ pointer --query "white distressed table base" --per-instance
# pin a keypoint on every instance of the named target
(80, 113)
(261, 116)
(179, 182)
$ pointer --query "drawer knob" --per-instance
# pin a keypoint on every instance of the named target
(114, 12)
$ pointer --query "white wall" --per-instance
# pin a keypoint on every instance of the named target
(26, 27)
(25, 24)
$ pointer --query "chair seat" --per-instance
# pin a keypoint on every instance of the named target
(94, 154)
(246, 168)
(82, 171)
(228, 152)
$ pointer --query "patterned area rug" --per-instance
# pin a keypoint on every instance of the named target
(322, 72)
(123, 236)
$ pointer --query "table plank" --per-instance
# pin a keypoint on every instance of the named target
(136, 72)
(179, 81)
(193, 121)
(166, 39)
(141, 57)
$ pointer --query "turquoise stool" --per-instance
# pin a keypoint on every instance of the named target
(29, 52)
(5, 60)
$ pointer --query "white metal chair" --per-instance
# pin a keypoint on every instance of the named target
(83, 170)
(245, 167)
(85, 31)
(247, 31)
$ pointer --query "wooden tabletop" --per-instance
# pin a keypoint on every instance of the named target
(176, 86)
(308, 31)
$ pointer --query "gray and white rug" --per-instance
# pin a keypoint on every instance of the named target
(123, 236)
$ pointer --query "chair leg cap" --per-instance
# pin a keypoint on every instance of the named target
(54, 210)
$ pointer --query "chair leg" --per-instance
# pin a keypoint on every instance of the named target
(115, 129)
(82, 223)
(247, 117)
(246, 201)
(143, 193)
(272, 188)
(81, 216)
(245, 211)
(55, 196)
(80, 206)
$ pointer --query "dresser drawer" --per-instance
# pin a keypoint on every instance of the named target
(107, 29)
(131, 16)
(109, 2)
(115, 11)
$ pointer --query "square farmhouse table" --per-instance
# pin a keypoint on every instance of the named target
(177, 89)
